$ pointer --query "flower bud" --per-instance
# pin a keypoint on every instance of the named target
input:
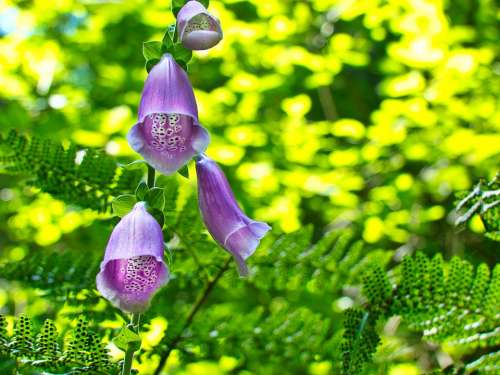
(198, 29)
(168, 133)
(225, 221)
(133, 268)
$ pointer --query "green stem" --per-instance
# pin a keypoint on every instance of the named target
(151, 177)
(129, 354)
(194, 309)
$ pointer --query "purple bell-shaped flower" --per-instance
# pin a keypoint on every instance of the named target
(198, 29)
(167, 133)
(224, 219)
(133, 268)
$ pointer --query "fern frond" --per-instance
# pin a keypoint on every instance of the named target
(449, 304)
(87, 177)
(360, 340)
(335, 261)
(57, 273)
(483, 199)
(46, 343)
(84, 352)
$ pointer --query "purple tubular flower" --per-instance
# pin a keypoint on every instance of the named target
(198, 29)
(133, 268)
(167, 133)
(225, 221)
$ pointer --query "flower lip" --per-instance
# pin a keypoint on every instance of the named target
(201, 39)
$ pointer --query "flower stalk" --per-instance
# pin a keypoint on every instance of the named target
(129, 354)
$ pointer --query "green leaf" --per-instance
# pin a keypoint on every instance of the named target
(181, 54)
(184, 171)
(158, 215)
(168, 40)
(151, 50)
(123, 204)
(127, 338)
(151, 63)
(156, 198)
(141, 191)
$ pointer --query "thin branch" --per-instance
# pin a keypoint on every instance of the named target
(196, 307)
(327, 103)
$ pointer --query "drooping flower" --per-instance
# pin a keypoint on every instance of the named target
(167, 133)
(224, 219)
(198, 29)
(133, 268)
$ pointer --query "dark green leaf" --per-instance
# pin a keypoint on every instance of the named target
(141, 191)
(181, 54)
(184, 171)
(158, 215)
(156, 198)
(151, 63)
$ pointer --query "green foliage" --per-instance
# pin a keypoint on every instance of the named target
(483, 199)
(83, 354)
(449, 304)
(286, 314)
(59, 274)
(84, 177)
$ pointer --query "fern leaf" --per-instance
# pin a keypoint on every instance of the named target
(483, 199)
(360, 340)
(448, 304)
(90, 182)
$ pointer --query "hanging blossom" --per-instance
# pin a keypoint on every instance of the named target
(133, 268)
(197, 28)
(224, 219)
(168, 133)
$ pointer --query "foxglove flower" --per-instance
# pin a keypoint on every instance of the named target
(198, 29)
(168, 133)
(133, 268)
(225, 221)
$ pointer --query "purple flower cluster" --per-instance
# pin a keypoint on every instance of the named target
(168, 135)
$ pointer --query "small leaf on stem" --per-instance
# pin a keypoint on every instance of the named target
(156, 198)
(151, 50)
(123, 204)
(127, 337)
(141, 191)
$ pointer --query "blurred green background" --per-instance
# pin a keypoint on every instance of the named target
(364, 116)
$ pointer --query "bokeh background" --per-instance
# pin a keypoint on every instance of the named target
(362, 116)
